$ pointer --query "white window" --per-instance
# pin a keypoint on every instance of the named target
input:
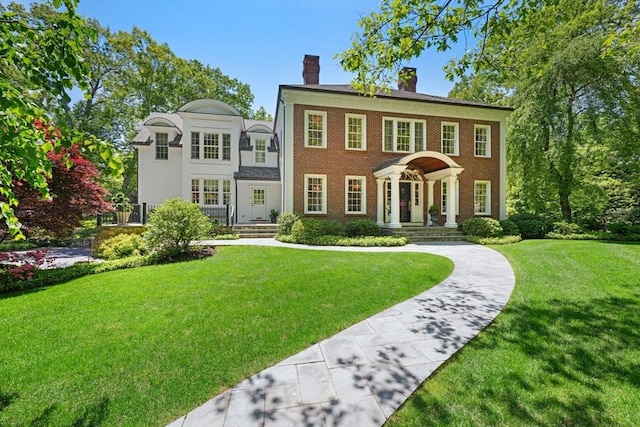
(211, 145)
(195, 145)
(210, 191)
(261, 151)
(355, 190)
(443, 193)
(315, 201)
(482, 140)
(195, 191)
(162, 146)
(482, 197)
(226, 146)
(403, 135)
(226, 192)
(450, 138)
(356, 132)
(315, 125)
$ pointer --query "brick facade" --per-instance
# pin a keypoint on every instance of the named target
(336, 162)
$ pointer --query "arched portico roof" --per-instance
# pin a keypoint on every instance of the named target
(209, 106)
(427, 161)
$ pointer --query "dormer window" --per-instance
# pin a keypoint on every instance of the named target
(261, 151)
(162, 146)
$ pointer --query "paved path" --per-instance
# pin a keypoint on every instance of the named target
(364, 373)
(62, 257)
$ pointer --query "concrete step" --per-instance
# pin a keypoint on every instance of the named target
(255, 230)
(426, 234)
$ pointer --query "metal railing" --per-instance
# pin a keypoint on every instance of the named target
(224, 214)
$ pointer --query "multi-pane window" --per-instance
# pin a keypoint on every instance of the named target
(211, 145)
(404, 135)
(226, 146)
(355, 194)
(417, 194)
(210, 191)
(226, 192)
(195, 191)
(162, 146)
(355, 132)
(450, 138)
(443, 194)
(315, 200)
(195, 145)
(482, 197)
(261, 151)
(482, 141)
(315, 129)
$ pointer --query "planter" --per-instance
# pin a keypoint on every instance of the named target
(434, 219)
(274, 219)
(123, 217)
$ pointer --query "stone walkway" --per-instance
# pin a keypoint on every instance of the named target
(364, 373)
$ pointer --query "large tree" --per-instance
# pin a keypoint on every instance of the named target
(41, 63)
(563, 65)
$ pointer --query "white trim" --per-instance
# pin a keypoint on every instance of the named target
(362, 117)
(412, 133)
(488, 148)
(324, 194)
(503, 169)
(456, 142)
(363, 192)
(487, 206)
(323, 114)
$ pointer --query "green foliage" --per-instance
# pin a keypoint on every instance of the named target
(306, 230)
(172, 226)
(218, 229)
(362, 227)
(531, 226)
(361, 241)
(509, 228)
(332, 228)
(122, 246)
(623, 229)
(285, 223)
(501, 240)
(564, 227)
(482, 227)
(577, 236)
(121, 202)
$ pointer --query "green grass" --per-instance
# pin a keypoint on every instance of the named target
(565, 351)
(143, 346)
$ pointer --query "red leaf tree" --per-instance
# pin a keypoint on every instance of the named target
(75, 193)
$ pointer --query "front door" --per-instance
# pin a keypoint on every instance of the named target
(258, 204)
(405, 202)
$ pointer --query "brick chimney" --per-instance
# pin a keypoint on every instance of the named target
(408, 79)
(311, 70)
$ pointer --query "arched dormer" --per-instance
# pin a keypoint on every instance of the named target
(209, 106)
(259, 128)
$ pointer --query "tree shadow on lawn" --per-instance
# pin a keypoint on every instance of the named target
(93, 414)
(573, 351)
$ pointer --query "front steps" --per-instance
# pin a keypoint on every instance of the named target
(257, 230)
(417, 234)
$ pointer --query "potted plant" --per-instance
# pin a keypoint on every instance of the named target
(274, 215)
(123, 207)
(434, 211)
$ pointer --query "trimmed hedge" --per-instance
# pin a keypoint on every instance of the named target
(362, 227)
(531, 226)
(482, 227)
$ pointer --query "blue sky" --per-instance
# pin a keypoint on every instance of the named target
(259, 42)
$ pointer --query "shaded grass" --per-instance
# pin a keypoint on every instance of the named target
(565, 351)
(146, 345)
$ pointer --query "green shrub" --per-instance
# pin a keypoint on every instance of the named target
(564, 227)
(623, 229)
(501, 240)
(332, 228)
(633, 215)
(174, 224)
(531, 226)
(362, 241)
(285, 223)
(509, 228)
(306, 230)
(482, 227)
(122, 246)
(576, 236)
(218, 229)
(362, 227)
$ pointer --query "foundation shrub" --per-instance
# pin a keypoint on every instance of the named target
(531, 226)
(482, 227)
(509, 228)
(362, 227)
(286, 222)
(306, 230)
(332, 228)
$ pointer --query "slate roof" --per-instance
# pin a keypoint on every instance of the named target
(143, 137)
(257, 173)
(395, 94)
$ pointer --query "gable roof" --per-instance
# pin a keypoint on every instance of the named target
(394, 94)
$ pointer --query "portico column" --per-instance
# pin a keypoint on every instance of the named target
(431, 183)
(380, 205)
(451, 202)
(395, 200)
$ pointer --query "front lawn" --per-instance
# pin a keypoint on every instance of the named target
(565, 351)
(143, 346)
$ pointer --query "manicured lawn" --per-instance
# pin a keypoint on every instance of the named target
(565, 352)
(144, 346)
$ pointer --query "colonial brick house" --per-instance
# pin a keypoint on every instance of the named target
(389, 158)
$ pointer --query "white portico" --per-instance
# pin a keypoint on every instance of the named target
(400, 188)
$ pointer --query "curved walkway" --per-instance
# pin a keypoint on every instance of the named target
(364, 373)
